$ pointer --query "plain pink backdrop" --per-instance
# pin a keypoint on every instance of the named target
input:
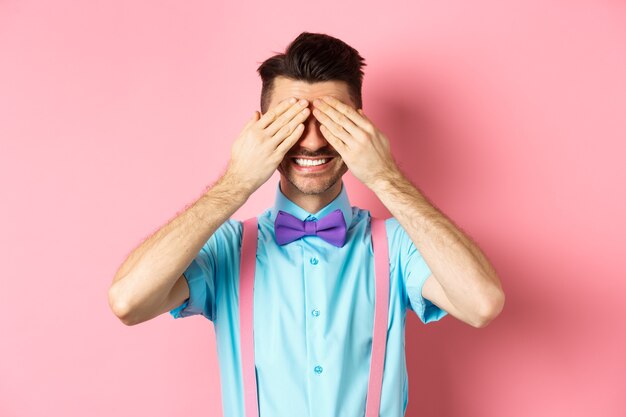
(509, 116)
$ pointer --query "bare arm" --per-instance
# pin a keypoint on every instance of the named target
(143, 282)
(150, 280)
(463, 282)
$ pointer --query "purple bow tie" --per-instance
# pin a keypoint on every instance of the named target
(331, 228)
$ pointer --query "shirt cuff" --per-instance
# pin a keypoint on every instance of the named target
(426, 309)
(196, 302)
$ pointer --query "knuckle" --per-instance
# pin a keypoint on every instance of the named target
(298, 129)
(284, 106)
(281, 122)
(293, 113)
(287, 129)
(284, 119)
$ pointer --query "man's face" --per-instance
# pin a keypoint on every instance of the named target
(312, 146)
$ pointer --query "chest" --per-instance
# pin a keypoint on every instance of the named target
(312, 298)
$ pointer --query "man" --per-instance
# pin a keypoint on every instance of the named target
(313, 309)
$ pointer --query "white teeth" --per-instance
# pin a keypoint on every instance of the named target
(310, 162)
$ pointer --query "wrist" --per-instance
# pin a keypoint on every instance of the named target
(384, 180)
(236, 186)
(219, 202)
(242, 177)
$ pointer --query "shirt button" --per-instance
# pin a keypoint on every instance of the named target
(315, 312)
(318, 369)
(314, 261)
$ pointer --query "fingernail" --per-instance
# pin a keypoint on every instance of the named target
(303, 102)
(292, 100)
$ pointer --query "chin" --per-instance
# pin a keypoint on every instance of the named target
(313, 184)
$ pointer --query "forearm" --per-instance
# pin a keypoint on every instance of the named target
(146, 278)
(148, 274)
(460, 267)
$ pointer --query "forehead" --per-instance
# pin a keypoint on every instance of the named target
(286, 87)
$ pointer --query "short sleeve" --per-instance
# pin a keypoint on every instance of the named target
(414, 271)
(203, 273)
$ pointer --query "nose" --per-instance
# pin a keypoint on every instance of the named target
(312, 138)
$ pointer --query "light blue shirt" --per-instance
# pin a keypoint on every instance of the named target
(313, 314)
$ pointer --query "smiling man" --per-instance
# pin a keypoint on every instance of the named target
(308, 344)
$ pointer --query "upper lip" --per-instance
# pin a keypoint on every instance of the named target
(308, 157)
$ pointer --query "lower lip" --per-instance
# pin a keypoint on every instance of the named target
(314, 168)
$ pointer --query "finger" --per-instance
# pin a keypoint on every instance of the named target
(357, 118)
(339, 118)
(287, 129)
(286, 117)
(254, 118)
(363, 115)
(339, 145)
(335, 128)
(275, 112)
(284, 146)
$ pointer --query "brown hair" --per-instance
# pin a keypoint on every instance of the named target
(314, 57)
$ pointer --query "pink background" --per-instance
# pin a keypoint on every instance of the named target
(510, 116)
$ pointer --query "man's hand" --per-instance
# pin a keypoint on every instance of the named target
(263, 143)
(363, 147)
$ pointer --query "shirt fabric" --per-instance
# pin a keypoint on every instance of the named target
(313, 314)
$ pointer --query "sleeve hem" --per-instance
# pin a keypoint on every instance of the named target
(197, 293)
(428, 310)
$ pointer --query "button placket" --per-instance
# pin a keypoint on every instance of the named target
(316, 283)
(314, 261)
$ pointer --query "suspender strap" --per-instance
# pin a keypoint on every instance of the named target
(379, 341)
(246, 319)
(246, 313)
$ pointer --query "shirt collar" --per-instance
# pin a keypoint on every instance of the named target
(340, 202)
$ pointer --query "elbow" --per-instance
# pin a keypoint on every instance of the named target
(121, 312)
(491, 308)
(120, 308)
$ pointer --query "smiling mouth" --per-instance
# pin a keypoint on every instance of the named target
(311, 162)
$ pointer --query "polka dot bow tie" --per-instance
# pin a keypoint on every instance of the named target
(331, 228)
